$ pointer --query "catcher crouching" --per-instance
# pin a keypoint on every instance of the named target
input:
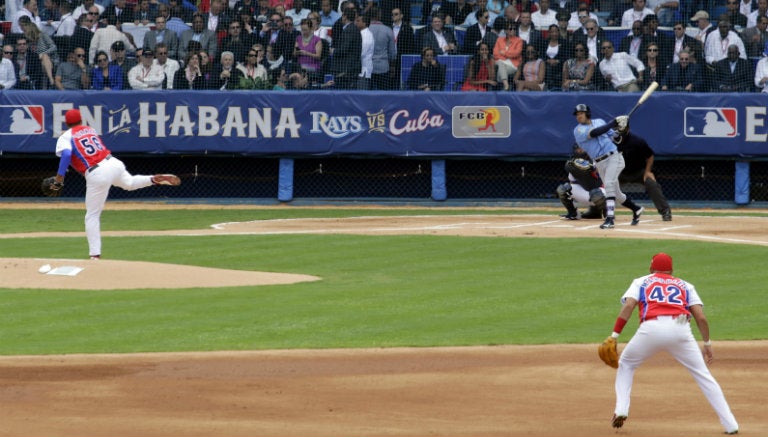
(583, 189)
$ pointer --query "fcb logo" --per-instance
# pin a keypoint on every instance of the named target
(711, 122)
(481, 121)
(21, 120)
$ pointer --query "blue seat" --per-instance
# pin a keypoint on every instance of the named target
(454, 70)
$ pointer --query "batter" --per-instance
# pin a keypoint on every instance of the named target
(666, 305)
(595, 137)
(84, 150)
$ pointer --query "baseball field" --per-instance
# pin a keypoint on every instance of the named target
(206, 320)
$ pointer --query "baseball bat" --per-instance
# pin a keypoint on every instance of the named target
(645, 96)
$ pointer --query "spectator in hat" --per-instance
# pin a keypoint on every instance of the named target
(703, 26)
(146, 75)
(118, 55)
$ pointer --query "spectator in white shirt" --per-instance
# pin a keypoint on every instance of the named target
(297, 12)
(366, 55)
(169, 66)
(636, 13)
(762, 9)
(146, 75)
(85, 7)
(7, 72)
(615, 68)
(28, 10)
(761, 72)
(580, 16)
(67, 24)
(544, 17)
(716, 47)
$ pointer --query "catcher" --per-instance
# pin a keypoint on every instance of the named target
(84, 150)
(584, 188)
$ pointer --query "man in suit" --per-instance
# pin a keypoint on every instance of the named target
(756, 37)
(476, 32)
(439, 38)
(145, 13)
(527, 31)
(592, 40)
(120, 11)
(162, 35)
(83, 34)
(631, 43)
(217, 19)
(273, 33)
(200, 34)
(734, 74)
(684, 75)
(681, 42)
(652, 35)
(28, 68)
(346, 64)
(404, 40)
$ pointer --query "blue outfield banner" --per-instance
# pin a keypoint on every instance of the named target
(318, 123)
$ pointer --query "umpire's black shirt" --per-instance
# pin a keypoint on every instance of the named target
(636, 151)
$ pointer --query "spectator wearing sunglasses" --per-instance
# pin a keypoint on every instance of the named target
(72, 74)
(7, 70)
(106, 76)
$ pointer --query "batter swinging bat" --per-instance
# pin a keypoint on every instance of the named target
(645, 96)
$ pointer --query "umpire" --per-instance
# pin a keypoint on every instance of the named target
(638, 157)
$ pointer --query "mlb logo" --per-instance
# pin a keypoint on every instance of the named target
(711, 122)
(21, 120)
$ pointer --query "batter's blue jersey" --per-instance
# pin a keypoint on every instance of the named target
(595, 147)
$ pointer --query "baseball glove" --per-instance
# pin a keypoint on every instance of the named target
(609, 353)
(51, 188)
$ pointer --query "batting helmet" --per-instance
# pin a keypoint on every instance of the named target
(582, 108)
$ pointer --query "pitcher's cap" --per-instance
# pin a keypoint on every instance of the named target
(72, 117)
(661, 262)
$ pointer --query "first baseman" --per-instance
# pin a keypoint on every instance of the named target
(666, 305)
(595, 137)
(82, 148)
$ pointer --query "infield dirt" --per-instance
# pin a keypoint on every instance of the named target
(557, 390)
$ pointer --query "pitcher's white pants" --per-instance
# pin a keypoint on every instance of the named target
(98, 181)
(669, 334)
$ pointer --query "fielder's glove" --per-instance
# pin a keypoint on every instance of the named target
(609, 353)
(51, 188)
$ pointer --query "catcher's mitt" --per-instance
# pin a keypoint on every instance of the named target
(609, 353)
(584, 171)
(51, 188)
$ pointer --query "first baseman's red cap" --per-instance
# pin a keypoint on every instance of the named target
(72, 117)
(661, 262)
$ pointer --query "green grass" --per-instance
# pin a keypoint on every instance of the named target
(376, 291)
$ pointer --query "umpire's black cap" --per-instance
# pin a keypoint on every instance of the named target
(582, 108)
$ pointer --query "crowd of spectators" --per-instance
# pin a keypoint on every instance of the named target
(518, 45)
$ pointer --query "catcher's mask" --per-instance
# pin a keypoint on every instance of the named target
(582, 108)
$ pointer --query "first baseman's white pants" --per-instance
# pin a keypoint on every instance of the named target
(669, 334)
(97, 184)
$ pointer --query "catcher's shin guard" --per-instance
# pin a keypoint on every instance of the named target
(566, 198)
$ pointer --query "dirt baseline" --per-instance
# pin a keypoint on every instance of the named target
(557, 390)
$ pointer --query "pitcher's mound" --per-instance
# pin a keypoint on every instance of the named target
(128, 275)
